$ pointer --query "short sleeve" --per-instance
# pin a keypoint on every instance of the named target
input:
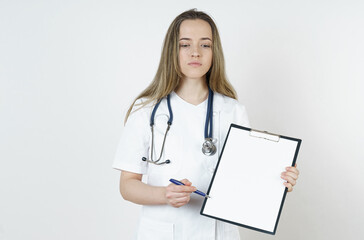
(241, 116)
(134, 143)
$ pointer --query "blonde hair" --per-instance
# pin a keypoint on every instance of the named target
(169, 74)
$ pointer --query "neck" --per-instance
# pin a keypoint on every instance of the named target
(193, 91)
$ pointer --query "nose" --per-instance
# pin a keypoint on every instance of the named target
(195, 52)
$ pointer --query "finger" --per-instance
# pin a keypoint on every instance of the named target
(176, 195)
(186, 182)
(293, 169)
(289, 179)
(186, 189)
(180, 201)
(291, 174)
(180, 188)
(288, 186)
(178, 205)
(183, 200)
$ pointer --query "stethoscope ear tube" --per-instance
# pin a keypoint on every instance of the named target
(152, 147)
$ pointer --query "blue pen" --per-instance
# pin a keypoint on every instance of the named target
(197, 191)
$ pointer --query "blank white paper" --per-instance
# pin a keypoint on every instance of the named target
(247, 188)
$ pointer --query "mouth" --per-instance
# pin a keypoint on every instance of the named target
(194, 64)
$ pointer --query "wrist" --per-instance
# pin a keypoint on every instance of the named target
(163, 195)
(159, 195)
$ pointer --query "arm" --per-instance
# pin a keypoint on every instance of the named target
(134, 190)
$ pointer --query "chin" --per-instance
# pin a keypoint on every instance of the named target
(195, 75)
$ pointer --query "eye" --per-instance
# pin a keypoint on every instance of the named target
(184, 45)
(206, 45)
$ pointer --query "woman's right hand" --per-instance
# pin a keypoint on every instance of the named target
(179, 195)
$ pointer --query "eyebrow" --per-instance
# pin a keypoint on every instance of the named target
(204, 38)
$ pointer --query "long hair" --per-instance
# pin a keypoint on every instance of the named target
(169, 74)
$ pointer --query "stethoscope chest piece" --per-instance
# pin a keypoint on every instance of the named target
(208, 147)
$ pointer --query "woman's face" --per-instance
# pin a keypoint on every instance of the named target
(195, 48)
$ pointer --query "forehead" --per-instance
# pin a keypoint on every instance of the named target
(196, 28)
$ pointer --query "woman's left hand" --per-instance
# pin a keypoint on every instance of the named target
(291, 176)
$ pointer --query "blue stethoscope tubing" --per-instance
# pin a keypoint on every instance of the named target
(208, 147)
(209, 115)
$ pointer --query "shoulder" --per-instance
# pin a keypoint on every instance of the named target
(225, 103)
(231, 110)
(141, 109)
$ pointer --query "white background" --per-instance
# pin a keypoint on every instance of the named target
(69, 69)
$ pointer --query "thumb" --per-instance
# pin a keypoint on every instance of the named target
(186, 182)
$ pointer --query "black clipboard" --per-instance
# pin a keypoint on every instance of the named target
(246, 189)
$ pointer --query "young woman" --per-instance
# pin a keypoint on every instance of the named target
(165, 131)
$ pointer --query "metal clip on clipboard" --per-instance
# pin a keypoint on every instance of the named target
(265, 135)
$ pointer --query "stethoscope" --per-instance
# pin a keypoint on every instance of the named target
(208, 147)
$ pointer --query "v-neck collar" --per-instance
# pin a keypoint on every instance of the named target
(184, 102)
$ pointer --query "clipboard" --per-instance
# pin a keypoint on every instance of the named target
(246, 188)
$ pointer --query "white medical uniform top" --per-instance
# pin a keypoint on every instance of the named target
(183, 148)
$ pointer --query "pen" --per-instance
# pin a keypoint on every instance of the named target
(197, 191)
